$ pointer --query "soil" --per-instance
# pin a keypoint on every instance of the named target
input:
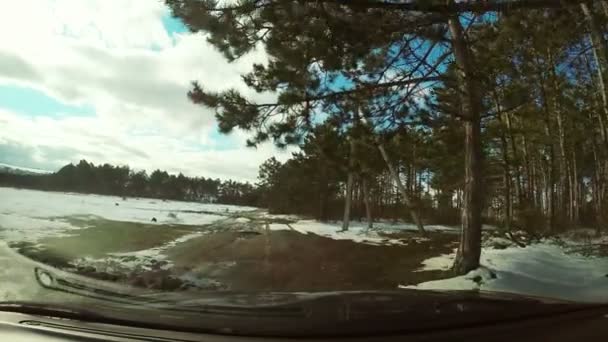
(244, 256)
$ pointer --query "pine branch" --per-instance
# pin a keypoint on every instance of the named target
(423, 6)
(365, 87)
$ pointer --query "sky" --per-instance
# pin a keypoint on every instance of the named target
(106, 81)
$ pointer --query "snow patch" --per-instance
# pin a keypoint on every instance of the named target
(439, 263)
(359, 231)
(356, 232)
(542, 270)
(156, 252)
(280, 217)
(22, 228)
(278, 226)
(142, 260)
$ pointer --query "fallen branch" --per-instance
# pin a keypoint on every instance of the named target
(514, 239)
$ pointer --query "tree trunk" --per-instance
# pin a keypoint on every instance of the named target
(508, 213)
(529, 174)
(597, 191)
(576, 189)
(537, 189)
(565, 175)
(605, 7)
(356, 211)
(406, 199)
(600, 47)
(545, 191)
(518, 185)
(550, 182)
(349, 186)
(600, 115)
(323, 192)
(368, 206)
(508, 202)
(469, 249)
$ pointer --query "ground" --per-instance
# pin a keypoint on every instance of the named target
(193, 246)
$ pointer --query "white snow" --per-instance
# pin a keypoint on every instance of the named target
(359, 232)
(137, 260)
(17, 280)
(390, 226)
(280, 217)
(356, 232)
(23, 228)
(278, 226)
(29, 214)
(442, 262)
(543, 270)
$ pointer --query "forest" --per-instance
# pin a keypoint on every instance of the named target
(106, 179)
(459, 111)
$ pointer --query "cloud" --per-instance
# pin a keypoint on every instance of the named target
(15, 68)
(61, 140)
(117, 57)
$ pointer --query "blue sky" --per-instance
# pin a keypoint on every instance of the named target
(173, 25)
(29, 101)
(106, 80)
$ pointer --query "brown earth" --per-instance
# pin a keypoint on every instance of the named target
(290, 261)
(245, 257)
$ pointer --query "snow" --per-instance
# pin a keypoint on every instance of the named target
(442, 262)
(22, 228)
(278, 226)
(30, 214)
(359, 232)
(280, 217)
(356, 232)
(17, 280)
(543, 270)
(395, 227)
(145, 259)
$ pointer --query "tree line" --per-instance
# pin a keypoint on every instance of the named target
(106, 179)
(500, 106)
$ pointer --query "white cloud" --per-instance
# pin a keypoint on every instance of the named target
(58, 141)
(116, 56)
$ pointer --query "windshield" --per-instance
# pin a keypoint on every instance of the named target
(197, 149)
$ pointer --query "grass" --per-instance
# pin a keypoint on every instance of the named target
(98, 237)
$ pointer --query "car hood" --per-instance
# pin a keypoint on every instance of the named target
(27, 285)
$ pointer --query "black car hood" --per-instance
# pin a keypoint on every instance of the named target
(33, 287)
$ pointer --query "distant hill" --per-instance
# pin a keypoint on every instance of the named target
(18, 170)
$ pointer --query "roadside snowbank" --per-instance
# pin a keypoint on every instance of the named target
(358, 231)
(543, 270)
